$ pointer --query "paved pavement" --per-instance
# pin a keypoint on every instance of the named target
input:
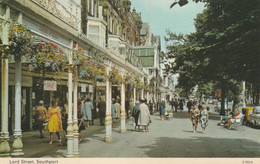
(168, 138)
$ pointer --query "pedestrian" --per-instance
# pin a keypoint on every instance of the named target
(87, 111)
(54, 121)
(181, 104)
(131, 107)
(189, 105)
(204, 117)
(194, 117)
(117, 107)
(176, 105)
(172, 104)
(41, 115)
(135, 114)
(154, 107)
(113, 111)
(80, 119)
(144, 116)
(162, 109)
(151, 107)
(230, 121)
(102, 110)
(127, 106)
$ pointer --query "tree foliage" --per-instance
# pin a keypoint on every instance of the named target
(223, 50)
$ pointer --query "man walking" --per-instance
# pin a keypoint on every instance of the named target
(102, 110)
(41, 115)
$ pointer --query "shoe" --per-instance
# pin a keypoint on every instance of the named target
(50, 142)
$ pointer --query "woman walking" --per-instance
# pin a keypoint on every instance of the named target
(144, 116)
(194, 117)
(204, 118)
(135, 115)
(54, 124)
(162, 109)
(87, 111)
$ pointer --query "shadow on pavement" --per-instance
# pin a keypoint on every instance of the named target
(202, 147)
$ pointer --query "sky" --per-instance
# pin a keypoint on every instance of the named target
(177, 19)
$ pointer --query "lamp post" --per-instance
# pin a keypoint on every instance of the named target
(244, 94)
(70, 121)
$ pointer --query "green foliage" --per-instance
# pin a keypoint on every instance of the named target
(224, 49)
(207, 89)
(20, 40)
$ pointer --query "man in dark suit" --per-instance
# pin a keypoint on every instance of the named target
(102, 110)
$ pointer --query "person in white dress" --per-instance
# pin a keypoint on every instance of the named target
(144, 116)
(117, 107)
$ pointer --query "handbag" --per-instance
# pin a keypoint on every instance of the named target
(45, 123)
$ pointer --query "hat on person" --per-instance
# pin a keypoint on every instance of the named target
(137, 102)
(40, 102)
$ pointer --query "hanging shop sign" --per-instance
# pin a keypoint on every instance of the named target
(90, 88)
(50, 85)
(83, 88)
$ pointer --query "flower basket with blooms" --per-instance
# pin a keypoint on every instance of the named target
(140, 84)
(78, 57)
(93, 72)
(48, 56)
(20, 40)
(129, 79)
(115, 77)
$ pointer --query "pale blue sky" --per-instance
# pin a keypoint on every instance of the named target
(178, 19)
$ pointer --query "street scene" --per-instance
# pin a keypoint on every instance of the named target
(166, 139)
(129, 79)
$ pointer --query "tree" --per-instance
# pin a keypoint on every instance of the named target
(225, 44)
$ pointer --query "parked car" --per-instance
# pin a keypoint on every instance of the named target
(210, 101)
(214, 101)
(254, 117)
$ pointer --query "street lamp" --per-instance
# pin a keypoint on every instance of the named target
(181, 3)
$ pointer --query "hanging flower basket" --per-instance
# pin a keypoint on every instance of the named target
(101, 78)
(48, 56)
(20, 40)
(78, 56)
(140, 85)
(93, 72)
(115, 77)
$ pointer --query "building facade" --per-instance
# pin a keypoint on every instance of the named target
(93, 30)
